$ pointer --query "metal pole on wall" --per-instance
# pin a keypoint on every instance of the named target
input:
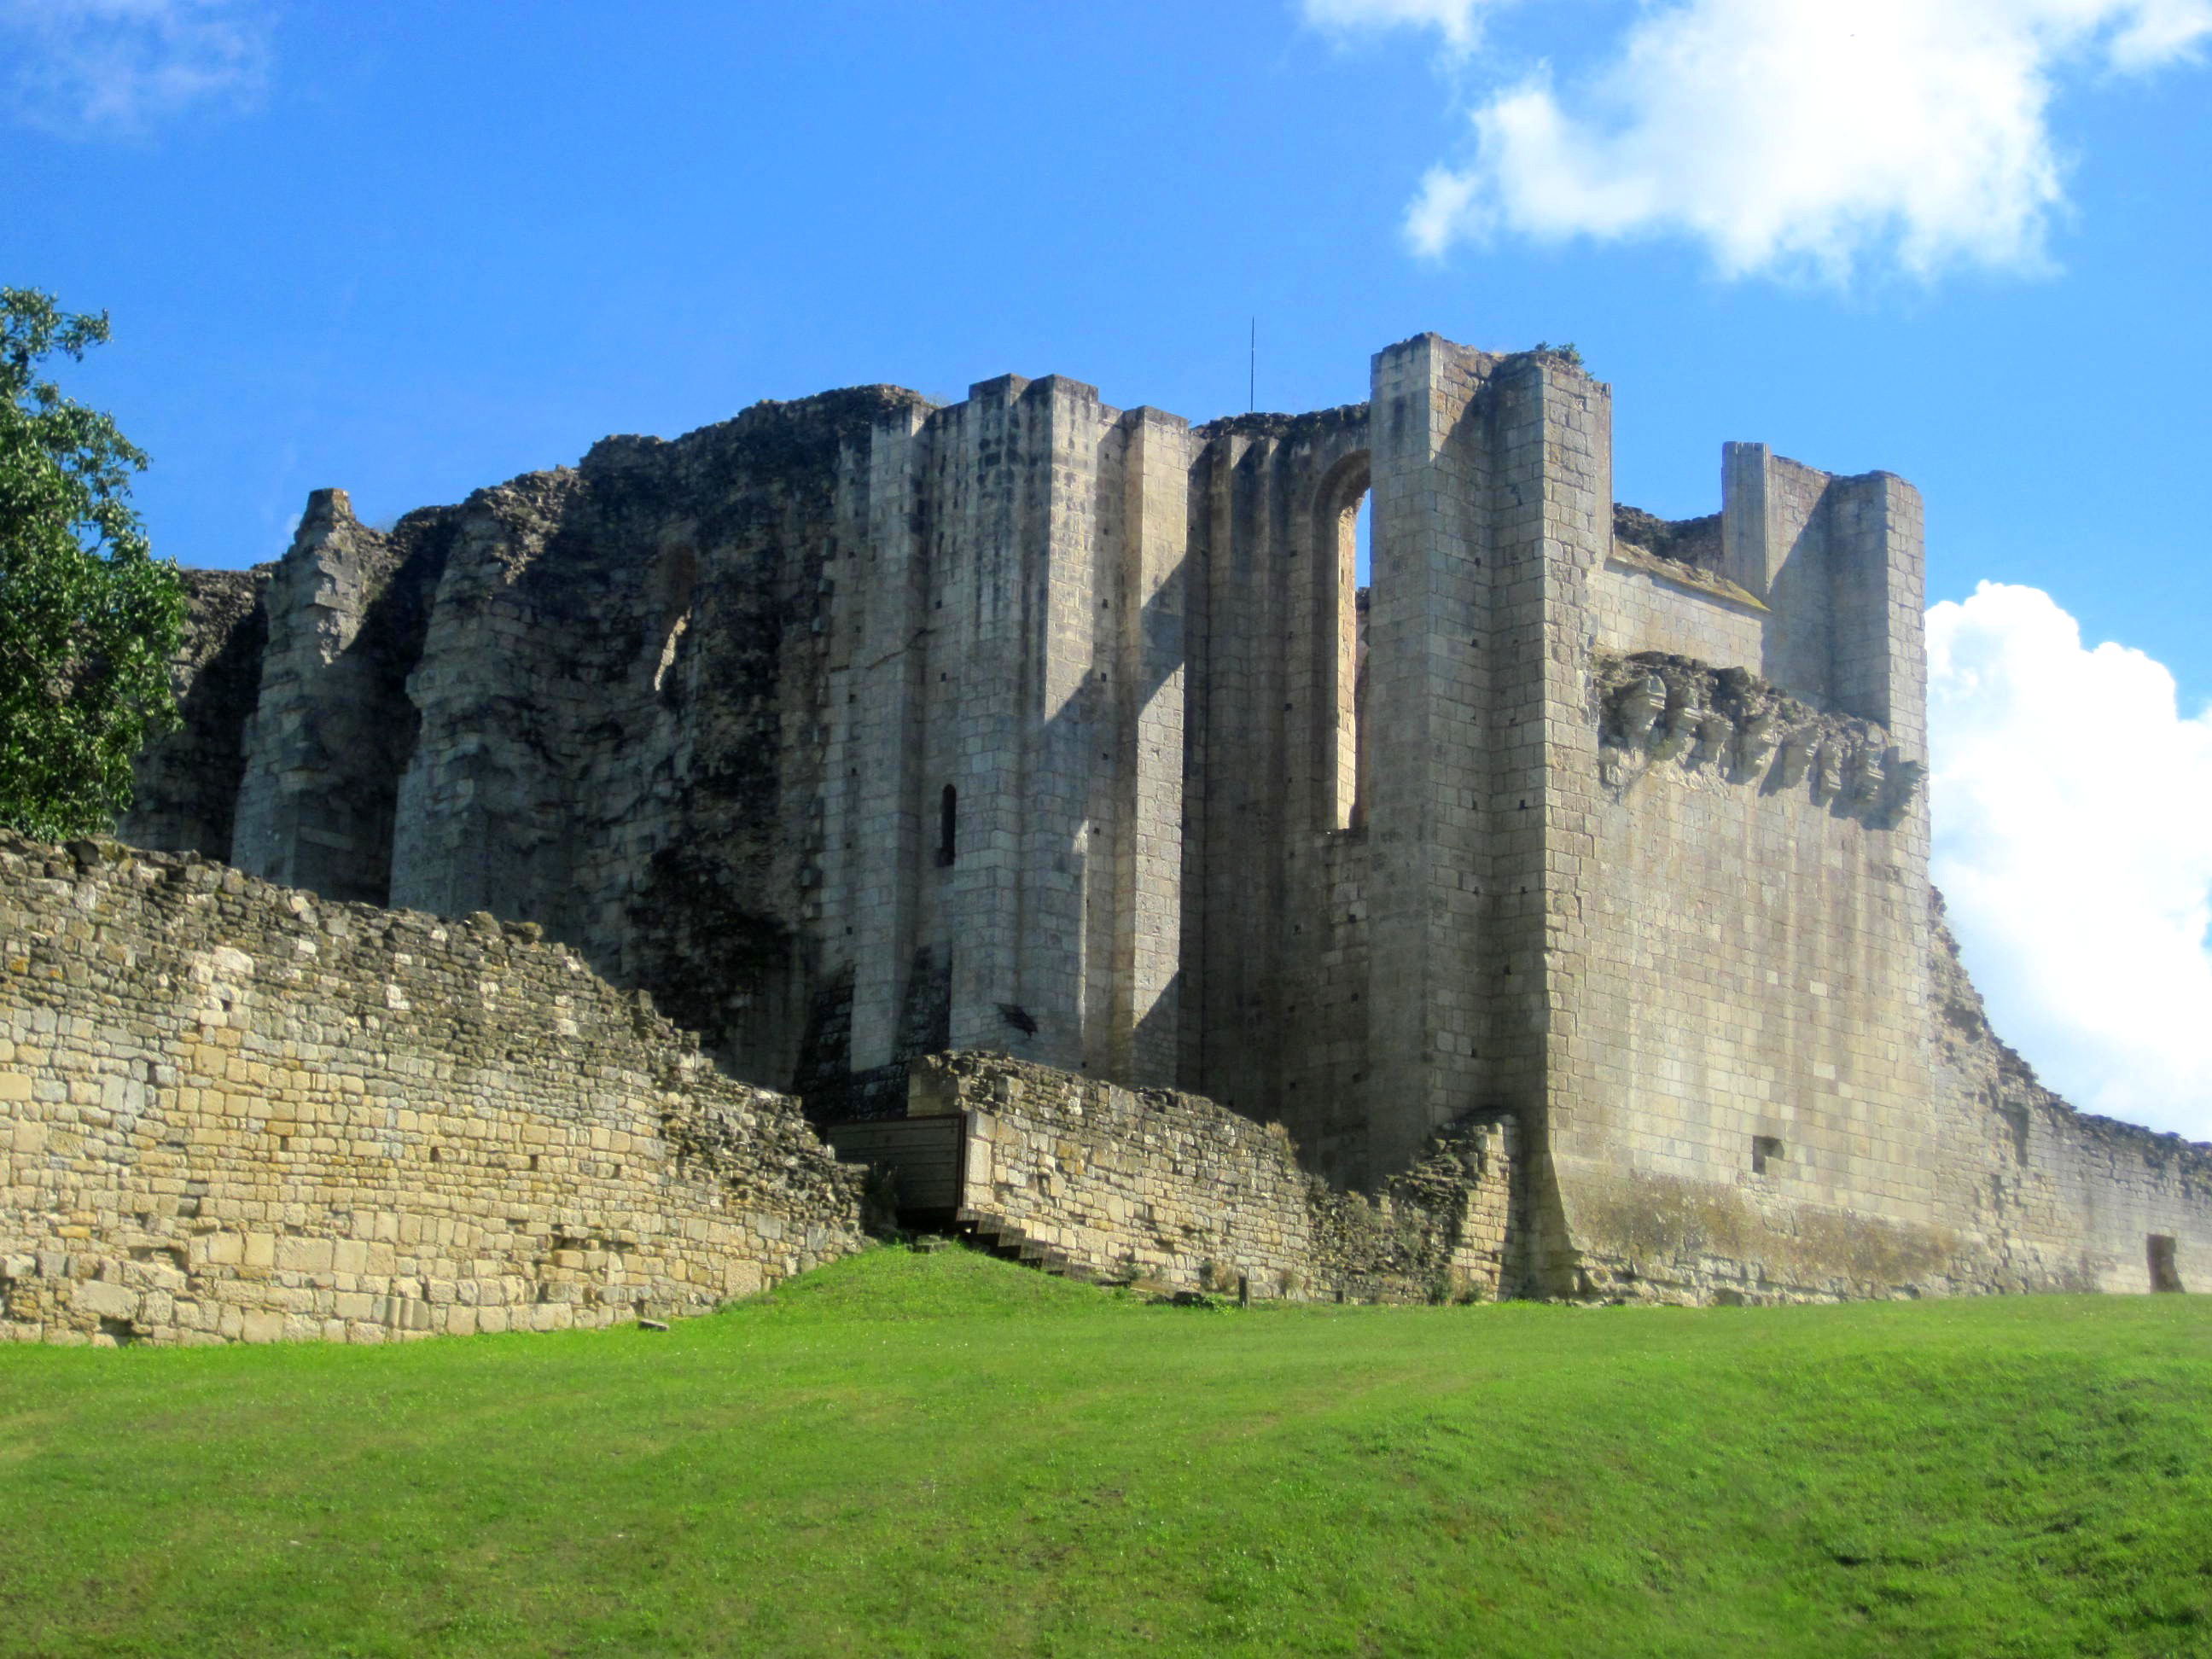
(1252, 367)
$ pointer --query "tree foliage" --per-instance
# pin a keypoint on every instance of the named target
(88, 620)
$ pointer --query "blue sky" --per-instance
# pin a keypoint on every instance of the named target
(411, 250)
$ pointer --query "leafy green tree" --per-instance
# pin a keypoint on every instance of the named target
(88, 620)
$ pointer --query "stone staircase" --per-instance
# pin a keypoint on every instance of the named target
(1010, 1243)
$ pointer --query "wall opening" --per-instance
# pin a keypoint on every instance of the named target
(675, 580)
(1767, 1152)
(948, 824)
(2164, 1271)
(1363, 582)
(1344, 515)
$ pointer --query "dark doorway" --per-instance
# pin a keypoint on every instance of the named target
(2165, 1274)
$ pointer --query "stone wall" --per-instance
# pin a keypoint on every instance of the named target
(858, 728)
(185, 788)
(234, 1111)
(1758, 948)
(333, 725)
(1173, 1188)
(1275, 995)
(1798, 1094)
(1646, 603)
(1755, 1119)
(2051, 1197)
(2015, 1191)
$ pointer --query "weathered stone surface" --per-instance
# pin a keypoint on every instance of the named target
(857, 729)
(230, 1111)
(186, 787)
(1174, 1189)
(1727, 724)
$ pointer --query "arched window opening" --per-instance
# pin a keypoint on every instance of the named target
(948, 824)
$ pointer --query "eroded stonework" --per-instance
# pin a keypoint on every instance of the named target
(1155, 1186)
(859, 730)
(230, 1111)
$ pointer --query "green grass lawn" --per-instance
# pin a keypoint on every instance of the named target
(945, 1455)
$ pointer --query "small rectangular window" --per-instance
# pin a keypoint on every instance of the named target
(1765, 1150)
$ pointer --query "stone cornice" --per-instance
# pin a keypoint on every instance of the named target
(1654, 709)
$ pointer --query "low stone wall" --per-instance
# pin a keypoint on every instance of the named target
(2051, 1200)
(234, 1111)
(1174, 1189)
(2056, 1199)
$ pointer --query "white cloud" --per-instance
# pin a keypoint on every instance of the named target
(2153, 31)
(1455, 19)
(2073, 813)
(117, 68)
(1795, 136)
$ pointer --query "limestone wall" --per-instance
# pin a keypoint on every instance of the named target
(1002, 803)
(858, 728)
(332, 726)
(624, 716)
(1797, 1094)
(2052, 1197)
(185, 788)
(1174, 1189)
(229, 1110)
(1275, 992)
(1644, 603)
(1757, 963)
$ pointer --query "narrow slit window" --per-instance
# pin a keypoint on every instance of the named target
(1363, 594)
(1344, 556)
(948, 824)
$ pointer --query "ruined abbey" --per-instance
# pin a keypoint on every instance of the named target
(1027, 798)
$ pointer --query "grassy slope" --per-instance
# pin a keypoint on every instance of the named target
(944, 1454)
